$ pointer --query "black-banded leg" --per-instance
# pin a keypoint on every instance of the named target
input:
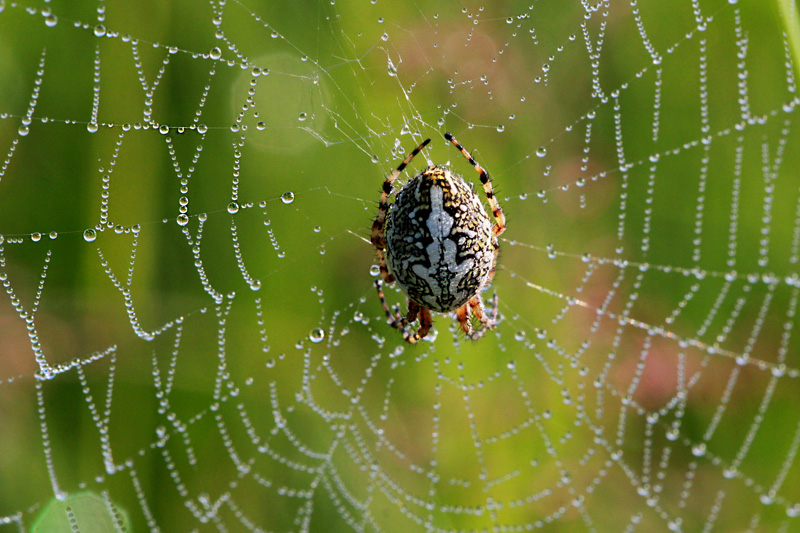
(398, 321)
(497, 212)
(378, 225)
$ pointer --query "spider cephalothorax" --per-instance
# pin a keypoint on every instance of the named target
(440, 246)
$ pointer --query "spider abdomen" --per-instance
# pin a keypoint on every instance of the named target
(439, 240)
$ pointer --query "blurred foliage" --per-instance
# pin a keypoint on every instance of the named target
(334, 96)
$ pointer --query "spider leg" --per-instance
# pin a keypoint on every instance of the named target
(499, 218)
(398, 321)
(414, 310)
(488, 321)
(463, 315)
(474, 307)
(394, 319)
(387, 276)
(478, 311)
(378, 236)
(425, 324)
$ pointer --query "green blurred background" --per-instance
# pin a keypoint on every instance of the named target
(294, 406)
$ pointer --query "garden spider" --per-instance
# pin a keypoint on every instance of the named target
(440, 246)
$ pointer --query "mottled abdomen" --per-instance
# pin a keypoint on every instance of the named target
(439, 241)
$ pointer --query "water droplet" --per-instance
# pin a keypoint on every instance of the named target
(215, 53)
(182, 219)
(302, 116)
(541, 151)
(202, 128)
(36, 237)
(261, 126)
(233, 208)
(374, 270)
(163, 129)
(89, 235)
(23, 130)
(317, 334)
(501, 128)
(374, 159)
(92, 127)
(287, 197)
(51, 21)
(99, 30)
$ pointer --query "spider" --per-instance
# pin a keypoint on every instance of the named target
(438, 243)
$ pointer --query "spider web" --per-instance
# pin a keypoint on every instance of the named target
(190, 337)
